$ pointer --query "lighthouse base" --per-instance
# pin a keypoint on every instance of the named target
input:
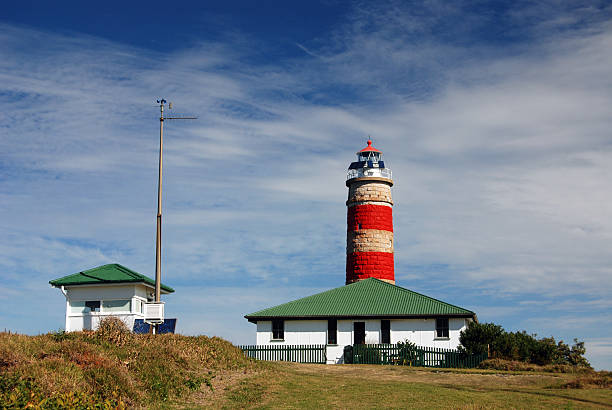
(357, 280)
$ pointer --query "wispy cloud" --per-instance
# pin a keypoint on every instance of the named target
(499, 153)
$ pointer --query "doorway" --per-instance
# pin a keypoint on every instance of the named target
(359, 332)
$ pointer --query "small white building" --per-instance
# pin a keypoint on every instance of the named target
(369, 311)
(108, 290)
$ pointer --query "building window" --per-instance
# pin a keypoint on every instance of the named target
(385, 331)
(137, 305)
(78, 307)
(442, 327)
(85, 306)
(278, 329)
(116, 305)
(332, 332)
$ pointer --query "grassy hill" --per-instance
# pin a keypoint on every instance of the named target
(117, 369)
(294, 385)
(114, 369)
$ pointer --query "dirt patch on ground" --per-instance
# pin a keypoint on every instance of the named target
(215, 394)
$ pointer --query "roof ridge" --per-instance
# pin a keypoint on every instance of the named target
(104, 274)
(130, 272)
(81, 272)
(352, 296)
(305, 297)
(420, 294)
(96, 267)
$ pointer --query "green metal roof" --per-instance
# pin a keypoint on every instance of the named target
(111, 273)
(367, 298)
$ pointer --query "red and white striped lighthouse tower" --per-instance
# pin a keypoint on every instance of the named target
(369, 234)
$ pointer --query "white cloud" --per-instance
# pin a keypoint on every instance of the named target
(500, 159)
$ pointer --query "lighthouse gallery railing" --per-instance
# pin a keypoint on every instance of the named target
(369, 172)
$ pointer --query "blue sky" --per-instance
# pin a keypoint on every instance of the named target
(494, 117)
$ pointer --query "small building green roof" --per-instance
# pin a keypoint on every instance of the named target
(111, 273)
(369, 298)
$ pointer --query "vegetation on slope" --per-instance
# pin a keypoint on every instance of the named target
(111, 367)
(479, 338)
(291, 385)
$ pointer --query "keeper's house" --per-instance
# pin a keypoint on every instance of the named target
(370, 308)
(108, 290)
(368, 311)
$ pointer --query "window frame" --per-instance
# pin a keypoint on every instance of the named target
(278, 329)
(108, 309)
(80, 307)
(442, 328)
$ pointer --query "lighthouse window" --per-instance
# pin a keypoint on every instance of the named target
(442, 327)
(278, 329)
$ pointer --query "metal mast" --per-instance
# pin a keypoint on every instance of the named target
(161, 103)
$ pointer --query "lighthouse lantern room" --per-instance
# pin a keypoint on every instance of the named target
(369, 164)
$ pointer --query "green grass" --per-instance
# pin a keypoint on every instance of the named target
(363, 386)
(118, 369)
(115, 369)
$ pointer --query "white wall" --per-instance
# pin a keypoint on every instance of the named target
(101, 292)
(90, 321)
(422, 332)
(297, 332)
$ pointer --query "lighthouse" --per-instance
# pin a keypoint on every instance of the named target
(369, 234)
(370, 308)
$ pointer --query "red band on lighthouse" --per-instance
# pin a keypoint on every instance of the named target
(363, 265)
(370, 217)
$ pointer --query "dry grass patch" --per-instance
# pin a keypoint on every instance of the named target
(370, 386)
(112, 368)
(514, 365)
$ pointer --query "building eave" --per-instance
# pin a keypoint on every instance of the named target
(255, 319)
(106, 284)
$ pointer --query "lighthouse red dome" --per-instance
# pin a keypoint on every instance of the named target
(369, 148)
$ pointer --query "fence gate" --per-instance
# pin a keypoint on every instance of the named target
(410, 356)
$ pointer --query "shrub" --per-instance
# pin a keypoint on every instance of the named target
(476, 338)
(479, 338)
(598, 380)
(348, 354)
(113, 330)
(408, 354)
(515, 365)
(574, 355)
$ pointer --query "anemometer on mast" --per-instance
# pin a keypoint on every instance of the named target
(157, 307)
